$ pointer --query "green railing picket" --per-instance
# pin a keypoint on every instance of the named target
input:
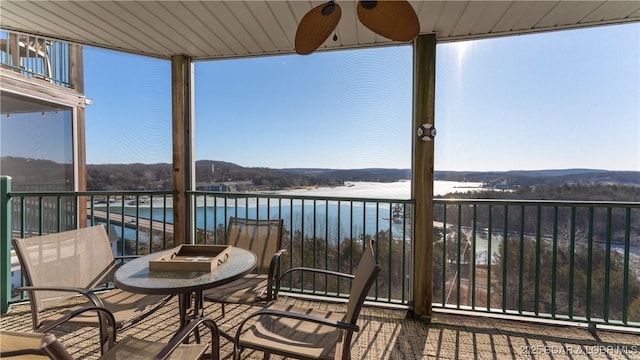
(521, 262)
(572, 251)
(473, 251)
(538, 249)
(5, 243)
(554, 261)
(489, 255)
(588, 298)
(607, 267)
(444, 254)
(627, 270)
(505, 255)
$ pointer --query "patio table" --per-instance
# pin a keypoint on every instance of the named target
(136, 277)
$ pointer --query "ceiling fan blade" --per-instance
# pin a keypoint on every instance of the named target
(395, 20)
(316, 26)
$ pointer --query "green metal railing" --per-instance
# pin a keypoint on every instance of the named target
(565, 261)
(560, 260)
(36, 56)
(323, 232)
(32, 213)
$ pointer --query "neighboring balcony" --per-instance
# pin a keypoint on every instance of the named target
(36, 57)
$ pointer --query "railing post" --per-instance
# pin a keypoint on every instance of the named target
(5, 243)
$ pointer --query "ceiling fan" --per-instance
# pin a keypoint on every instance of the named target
(395, 20)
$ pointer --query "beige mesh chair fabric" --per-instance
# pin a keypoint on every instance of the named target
(25, 346)
(62, 265)
(29, 346)
(131, 348)
(38, 346)
(264, 238)
(305, 333)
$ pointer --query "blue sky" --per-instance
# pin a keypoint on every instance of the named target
(568, 99)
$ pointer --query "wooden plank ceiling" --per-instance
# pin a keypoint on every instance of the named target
(227, 29)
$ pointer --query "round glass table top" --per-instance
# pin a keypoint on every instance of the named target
(135, 276)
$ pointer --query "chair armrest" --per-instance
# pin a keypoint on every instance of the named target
(308, 317)
(273, 266)
(21, 353)
(183, 335)
(86, 292)
(273, 275)
(317, 271)
(108, 316)
(298, 316)
(107, 325)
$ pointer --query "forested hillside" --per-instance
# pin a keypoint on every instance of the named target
(524, 178)
(159, 177)
(574, 192)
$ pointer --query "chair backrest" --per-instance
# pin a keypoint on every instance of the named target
(76, 258)
(364, 277)
(263, 237)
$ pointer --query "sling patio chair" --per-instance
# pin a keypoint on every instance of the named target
(303, 333)
(25, 345)
(264, 238)
(33, 346)
(61, 266)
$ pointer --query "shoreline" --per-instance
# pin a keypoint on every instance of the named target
(397, 190)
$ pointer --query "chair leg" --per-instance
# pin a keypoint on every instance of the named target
(267, 356)
(222, 310)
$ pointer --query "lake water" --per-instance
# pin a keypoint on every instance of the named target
(309, 216)
(358, 216)
(343, 218)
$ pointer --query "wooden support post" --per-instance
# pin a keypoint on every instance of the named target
(423, 175)
(182, 125)
(77, 82)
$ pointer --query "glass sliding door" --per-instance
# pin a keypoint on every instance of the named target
(37, 151)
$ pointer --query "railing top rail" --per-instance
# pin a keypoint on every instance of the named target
(88, 193)
(626, 204)
(630, 204)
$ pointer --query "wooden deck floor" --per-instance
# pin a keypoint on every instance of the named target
(387, 334)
